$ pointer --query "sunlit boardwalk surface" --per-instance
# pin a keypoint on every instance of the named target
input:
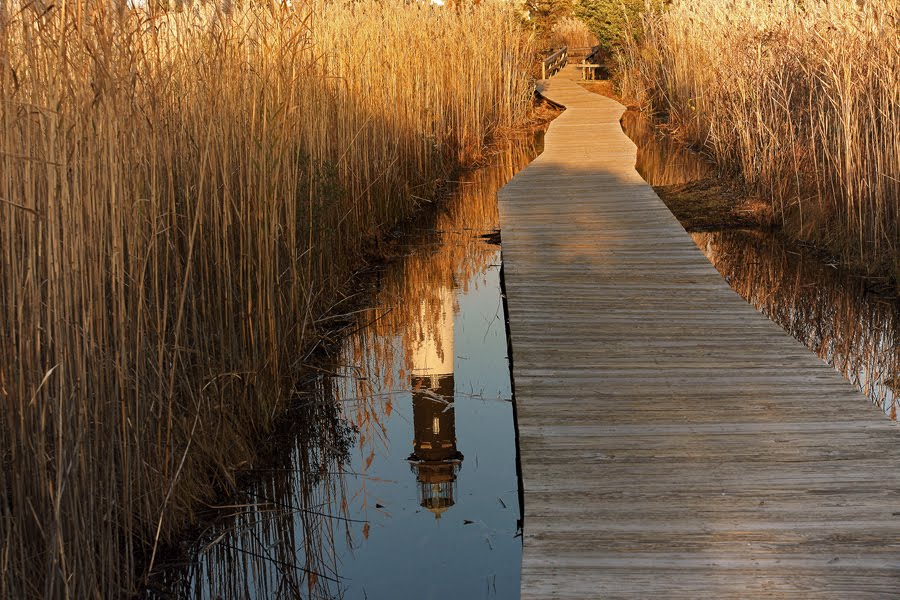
(674, 442)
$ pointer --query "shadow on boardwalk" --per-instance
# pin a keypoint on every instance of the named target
(674, 442)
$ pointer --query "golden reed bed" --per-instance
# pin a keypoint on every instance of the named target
(801, 98)
(182, 195)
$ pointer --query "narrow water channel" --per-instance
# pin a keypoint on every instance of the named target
(825, 307)
(399, 475)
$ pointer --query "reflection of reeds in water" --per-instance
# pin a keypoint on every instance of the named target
(445, 252)
(277, 539)
(661, 159)
(827, 310)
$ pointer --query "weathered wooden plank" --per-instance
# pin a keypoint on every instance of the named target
(674, 442)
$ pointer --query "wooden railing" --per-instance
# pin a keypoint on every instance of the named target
(591, 63)
(554, 62)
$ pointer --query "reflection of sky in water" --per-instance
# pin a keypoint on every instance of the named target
(409, 552)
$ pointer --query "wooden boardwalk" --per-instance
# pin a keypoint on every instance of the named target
(674, 442)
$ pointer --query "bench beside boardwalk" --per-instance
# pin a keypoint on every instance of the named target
(674, 442)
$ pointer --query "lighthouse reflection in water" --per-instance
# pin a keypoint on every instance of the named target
(435, 459)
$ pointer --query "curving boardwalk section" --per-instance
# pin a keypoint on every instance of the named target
(674, 442)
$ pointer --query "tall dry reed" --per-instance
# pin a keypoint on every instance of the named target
(182, 195)
(572, 32)
(802, 98)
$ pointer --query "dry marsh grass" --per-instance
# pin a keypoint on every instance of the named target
(572, 32)
(181, 197)
(802, 98)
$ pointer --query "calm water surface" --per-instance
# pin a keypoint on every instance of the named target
(826, 308)
(400, 478)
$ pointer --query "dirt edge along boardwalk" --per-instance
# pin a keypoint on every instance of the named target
(674, 442)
